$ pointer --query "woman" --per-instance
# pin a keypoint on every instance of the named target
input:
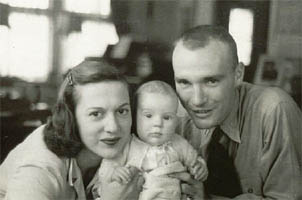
(91, 120)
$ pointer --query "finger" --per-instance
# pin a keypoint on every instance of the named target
(183, 176)
(125, 176)
(140, 182)
(193, 163)
(196, 169)
(133, 170)
(199, 176)
(204, 175)
(125, 172)
(188, 189)
(183, 197)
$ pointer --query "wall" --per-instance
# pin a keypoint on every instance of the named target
(285, 36)
(156, 21)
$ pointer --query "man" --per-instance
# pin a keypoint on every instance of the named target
(260, 127)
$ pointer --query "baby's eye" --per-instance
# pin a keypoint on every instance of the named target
(148, 115)
(167, 117)
(123, 111)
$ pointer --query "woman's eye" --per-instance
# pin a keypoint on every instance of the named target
(96, 114)
(123, 111)
(182, 82)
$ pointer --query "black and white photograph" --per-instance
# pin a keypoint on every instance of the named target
(150, 99)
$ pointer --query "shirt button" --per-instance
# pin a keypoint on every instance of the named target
(250, 190)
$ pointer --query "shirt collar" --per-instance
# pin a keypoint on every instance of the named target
(230, 125)
(74, 178)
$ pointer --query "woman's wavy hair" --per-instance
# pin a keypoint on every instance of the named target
(61, 133)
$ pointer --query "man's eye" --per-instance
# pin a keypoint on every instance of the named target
(123, 111)
(212, 82)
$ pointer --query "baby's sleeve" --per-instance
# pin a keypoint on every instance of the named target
(185, 150)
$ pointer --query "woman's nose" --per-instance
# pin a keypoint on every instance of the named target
(111, 125)
(199, 96)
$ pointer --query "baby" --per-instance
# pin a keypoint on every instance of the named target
(157, 151)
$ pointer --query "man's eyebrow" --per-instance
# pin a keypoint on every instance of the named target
(124, 104)
(217, 76)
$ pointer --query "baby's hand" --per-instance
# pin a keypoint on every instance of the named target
(199, 170)
(122, 175)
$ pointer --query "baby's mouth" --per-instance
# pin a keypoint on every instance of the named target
(156, 134)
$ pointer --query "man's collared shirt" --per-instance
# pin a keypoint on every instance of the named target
(263, 136)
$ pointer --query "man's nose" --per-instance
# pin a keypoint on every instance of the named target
(111, 125)
(199, 96)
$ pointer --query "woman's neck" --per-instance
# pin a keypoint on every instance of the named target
(87, 162)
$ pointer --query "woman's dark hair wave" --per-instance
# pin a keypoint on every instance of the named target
(61, 132)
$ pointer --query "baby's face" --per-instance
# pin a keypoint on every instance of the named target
(156, 117)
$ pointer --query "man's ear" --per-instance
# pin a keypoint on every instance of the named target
(239, 73)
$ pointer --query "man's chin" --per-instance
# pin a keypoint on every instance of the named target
(204, 124)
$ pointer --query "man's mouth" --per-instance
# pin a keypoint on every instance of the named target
(201, 112)
(110, 141)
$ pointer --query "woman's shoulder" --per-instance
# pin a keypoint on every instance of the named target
(34, 152)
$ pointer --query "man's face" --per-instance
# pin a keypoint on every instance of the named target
(205, 82)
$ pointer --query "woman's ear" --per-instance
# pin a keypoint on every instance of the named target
(239, 73)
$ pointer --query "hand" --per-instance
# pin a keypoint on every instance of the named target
(199, 170)
(128, 191)
(122, 175)
(189, 186)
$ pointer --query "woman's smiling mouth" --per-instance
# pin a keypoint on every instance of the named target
(110, 141)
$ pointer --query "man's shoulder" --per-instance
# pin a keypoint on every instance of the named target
(262, 97)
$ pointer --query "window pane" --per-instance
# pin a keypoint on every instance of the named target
(4, 48)
(43, 4)
(101, 7)
(4, 1)
(241, 26)
(92, 41)
(25, 49)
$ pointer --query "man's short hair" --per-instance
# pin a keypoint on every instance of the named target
(200, 36)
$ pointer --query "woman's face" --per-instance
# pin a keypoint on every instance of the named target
(104, 117)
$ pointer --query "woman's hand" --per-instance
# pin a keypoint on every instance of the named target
(128, 191)
(189, 186)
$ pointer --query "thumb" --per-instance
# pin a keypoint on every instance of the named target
(137, 177)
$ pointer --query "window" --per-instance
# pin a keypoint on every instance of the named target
(241, 22)
(25, 52)
(91, 41)
(37, 29)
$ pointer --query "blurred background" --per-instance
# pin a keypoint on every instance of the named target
(41, 39)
